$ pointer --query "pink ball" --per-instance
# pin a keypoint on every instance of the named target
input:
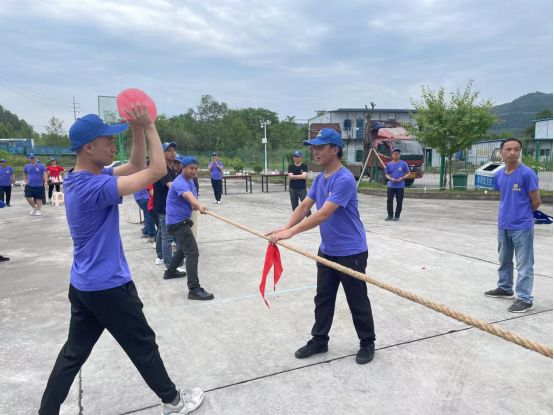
(132, 95)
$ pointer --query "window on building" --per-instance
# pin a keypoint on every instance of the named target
(359, 155)
(543, 152)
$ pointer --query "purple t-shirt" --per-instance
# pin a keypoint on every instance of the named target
(396, 171)
(215, 172)
(177, 208)
(515, 212)
(142, 194)
(91, 205)
(343, 233)
(6, 176)
(35, 174)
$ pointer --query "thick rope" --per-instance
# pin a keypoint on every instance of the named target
(447, 311)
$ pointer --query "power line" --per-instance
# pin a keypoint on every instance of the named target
(36, 93)
(32, 99)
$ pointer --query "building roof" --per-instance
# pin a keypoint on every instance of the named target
(543, 119)
(376, 109)
(542, 139)
(489, 141)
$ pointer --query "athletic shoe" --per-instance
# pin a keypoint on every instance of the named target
(144, 235)
(216, 202)
(151, 239)
(4, 258)
(395, 219)
(190, 400)
(159, 261)
(179, 269)
(154, 246)
(500, 293)
(49, 201)
(8, 205)
(200, 294)
(365, 354)
(520, 307)
(310, 349)
(219, 202)
(33, 211)
(38, 213)
(388, 218)
(177, 274)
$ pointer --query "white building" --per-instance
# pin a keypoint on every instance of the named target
(543, 136)
(351, 121)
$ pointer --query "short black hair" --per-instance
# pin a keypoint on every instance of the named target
(510, 139)
(340, 150)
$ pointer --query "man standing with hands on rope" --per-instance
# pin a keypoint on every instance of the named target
(101, 292)
(519, 198)
(182, 200)
(343, 240)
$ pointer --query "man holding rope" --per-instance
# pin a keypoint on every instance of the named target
(101, 292)
(343, 240)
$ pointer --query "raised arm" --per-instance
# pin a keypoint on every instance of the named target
(138, 154)
(127, 185)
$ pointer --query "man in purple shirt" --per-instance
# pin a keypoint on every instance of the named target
(216, 167)
(519, 198)
(343, 240)
(101, 291)
(397, 171)
(7, 178)
(34, 175)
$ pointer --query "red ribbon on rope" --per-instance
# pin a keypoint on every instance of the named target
(272, 259)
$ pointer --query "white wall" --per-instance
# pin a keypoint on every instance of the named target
(543, 129)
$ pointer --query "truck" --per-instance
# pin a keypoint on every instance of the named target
(385, 136)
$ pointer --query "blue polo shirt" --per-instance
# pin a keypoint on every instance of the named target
(35, 174)
(142, 194)
(6, 176)
(343, 234)
(177, 208)
(215, 172)
(91, 205)
(515, 212)
(396, 171)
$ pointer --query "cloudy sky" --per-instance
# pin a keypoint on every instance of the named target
(292, 57)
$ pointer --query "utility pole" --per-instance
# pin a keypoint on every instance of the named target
(264, 142)
(75, 109)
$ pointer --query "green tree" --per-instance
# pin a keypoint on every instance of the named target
(452, 126)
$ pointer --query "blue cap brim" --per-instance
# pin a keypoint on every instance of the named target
(115, 129)
(314, 142)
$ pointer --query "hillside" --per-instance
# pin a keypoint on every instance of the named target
(520, 112)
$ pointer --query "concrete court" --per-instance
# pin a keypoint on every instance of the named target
(242, 354)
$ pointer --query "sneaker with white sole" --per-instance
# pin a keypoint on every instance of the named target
(219, 202)
(38, 213)
(33, 211)
(180, 269)
(216, 202)
(159, 261)
(520, 307)
(190, 400)
(154, 246)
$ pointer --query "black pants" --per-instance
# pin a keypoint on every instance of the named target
(217, 185)
(391, 192)
(298, 194)
(186, 248)
(119, 310)
(7, 190)
(156, 219)
(328, 280)
(51, 189)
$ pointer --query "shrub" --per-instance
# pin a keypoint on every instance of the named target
(257, 169)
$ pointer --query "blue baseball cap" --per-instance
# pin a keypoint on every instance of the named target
(53, 159)
(214, 154)
(179, 158)
(2, 160)
(297, 153)
(87, 128)
(325, 136)
(187, 161)
(166, 145)
(31, 156)
(396, 149)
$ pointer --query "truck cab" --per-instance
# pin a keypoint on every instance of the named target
(386, 136)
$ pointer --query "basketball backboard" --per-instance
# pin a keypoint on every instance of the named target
(107, 109)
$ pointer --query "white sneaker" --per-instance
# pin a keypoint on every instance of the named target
(154, 246)
(159, 261)
(38, 213)
(219, 202)
(190, 400)
(33, 211)
(179, 269)
(216, 202)
(49, 201)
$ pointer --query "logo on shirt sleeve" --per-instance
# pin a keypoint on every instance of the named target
(329, 194)
(516, 188)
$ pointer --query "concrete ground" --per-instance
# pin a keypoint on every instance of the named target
(242, 353)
